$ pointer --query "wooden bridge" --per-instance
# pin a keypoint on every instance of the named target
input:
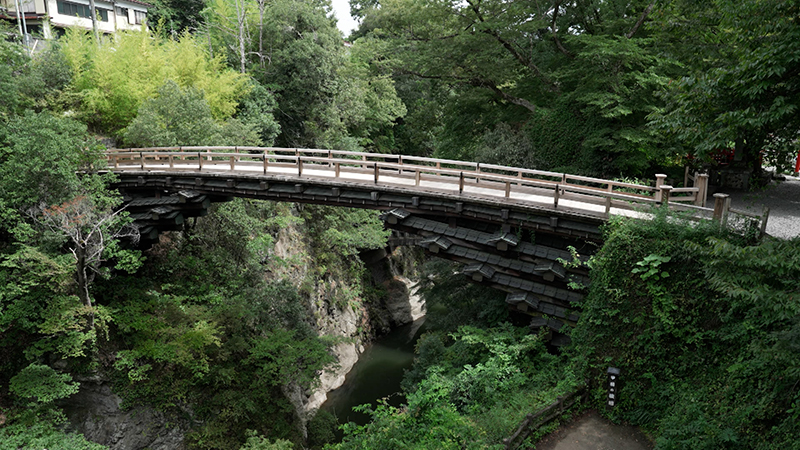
(483, 215)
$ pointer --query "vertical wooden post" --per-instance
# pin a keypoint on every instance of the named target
(337, 169)
(555, 197)
(608, 206)
(701, 181)
(200, 160)
(478, 171)
(233, 162)
(722, 203)
(508, 189)
(663, 194)
(171, 161)
(660, 179)
(299, 166)
(686, 177)
(375, 165)
(460, 183)
(141, 160)
(764, 217)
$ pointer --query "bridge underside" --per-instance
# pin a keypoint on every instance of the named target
(493, 239)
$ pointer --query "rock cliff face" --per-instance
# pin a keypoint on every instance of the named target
(95, 411)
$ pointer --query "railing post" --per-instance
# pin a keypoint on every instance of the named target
(460, 183)
(555, 197)
(400, 163)
(764, 217)
(478, 171)
(722, 203)
(233, 163)
(171, 161)
(141, 160)
(686, 177)
(376, 172)
(299, 166)
(701, 182)
(266, 163)
(417, 177)
(337, 169)
(200, 161)
(508, 189)
(663, 194)
(660, 179)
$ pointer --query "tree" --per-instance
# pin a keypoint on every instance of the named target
(505, 62)
(746, 94)
(93, 230)
(114, 79)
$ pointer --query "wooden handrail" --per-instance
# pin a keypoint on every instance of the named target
(429, 174)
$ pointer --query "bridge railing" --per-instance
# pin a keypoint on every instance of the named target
(558, 190)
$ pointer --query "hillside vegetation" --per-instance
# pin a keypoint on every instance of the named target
(215, 325)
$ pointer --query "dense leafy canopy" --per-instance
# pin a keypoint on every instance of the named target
(219, 321)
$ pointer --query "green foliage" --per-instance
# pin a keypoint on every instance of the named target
(255, 442)
(46, 433)
(40, 384)
(478, 385)
(39, 156)
(743, 91)
(650, 266)
(505, 69)
(178, 117)
(116, 77)
(708, 354)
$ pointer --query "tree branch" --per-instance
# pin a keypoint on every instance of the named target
(556, 40)
(641, 19)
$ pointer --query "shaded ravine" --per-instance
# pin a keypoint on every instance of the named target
(376, 375)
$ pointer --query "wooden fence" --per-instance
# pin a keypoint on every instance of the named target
(543, 416)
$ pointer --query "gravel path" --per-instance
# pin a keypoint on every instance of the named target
(592, 432)
(781, 197)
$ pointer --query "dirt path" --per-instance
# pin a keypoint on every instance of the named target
(592, 432)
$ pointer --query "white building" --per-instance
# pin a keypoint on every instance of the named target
(47, 17)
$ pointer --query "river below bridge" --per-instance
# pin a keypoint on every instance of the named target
(376, 375)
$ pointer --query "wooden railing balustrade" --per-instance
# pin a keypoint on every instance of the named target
(510, 184)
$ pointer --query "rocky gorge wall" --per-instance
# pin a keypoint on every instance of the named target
(340, 309)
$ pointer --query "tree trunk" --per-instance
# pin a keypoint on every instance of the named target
(82, 281)
(94, 21)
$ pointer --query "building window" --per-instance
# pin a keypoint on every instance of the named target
(75, 9)
(122, 12)
(140, 17)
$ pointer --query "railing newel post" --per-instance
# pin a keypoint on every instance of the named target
(721, 205)
(141, 160)
(701, 181)
(200, 161)
(555, 196)
(375, 165)
(460, 182)
(660, 179)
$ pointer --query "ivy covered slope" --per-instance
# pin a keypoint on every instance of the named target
(706, 331)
